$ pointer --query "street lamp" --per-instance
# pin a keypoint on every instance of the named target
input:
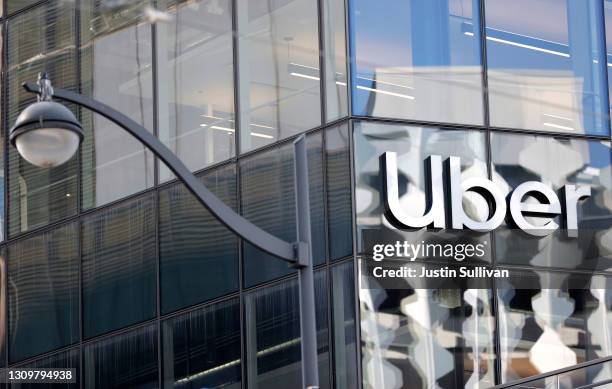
(47, 134)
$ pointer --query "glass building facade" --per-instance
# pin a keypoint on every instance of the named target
(110, 266)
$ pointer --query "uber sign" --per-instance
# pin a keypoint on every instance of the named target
(446, 183)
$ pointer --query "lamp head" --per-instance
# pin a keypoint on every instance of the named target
(46, 133)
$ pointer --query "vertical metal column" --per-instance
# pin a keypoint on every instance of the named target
(308, 324)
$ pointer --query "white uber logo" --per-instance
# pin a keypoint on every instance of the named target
(444, 187)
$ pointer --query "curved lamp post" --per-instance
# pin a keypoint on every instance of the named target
(47, 134)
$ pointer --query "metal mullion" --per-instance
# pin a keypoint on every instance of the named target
(322, 65)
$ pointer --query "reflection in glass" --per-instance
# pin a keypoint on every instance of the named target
(546, 64)
(556, 162)
(339, 192)
(115, 57)
(43, 292)
(334, 35)
(124, 361)
(195, 75)
(63, 360)
(426, 338)
(201, 349)
(198, 255)
(42, 39)
(343, 319)
(413, 145)
(278, 70)
(273, 335)
(571, 325)
(417, 60)
(118, 250)
(268, 200)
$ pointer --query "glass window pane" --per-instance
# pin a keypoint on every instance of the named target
(426, 338)
(3, 305)
(268, 200)
(546, 64)
(42, 39)
(15, 5)
(417, 60)
(64, 360)
(44, 292)
(413, 145)
(198, 255)
(202, 348)
(334, 22)
(124, 361)
(273, 335)
(344, 331)
(339, 190)
(119, 266)
(116, 58)
(196, 88)
(556, 162)
(278, 69)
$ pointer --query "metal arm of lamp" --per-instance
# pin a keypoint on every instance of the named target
(297, 254)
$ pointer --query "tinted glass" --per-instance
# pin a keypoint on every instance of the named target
(127, 360)
(44, 292)
(546, 62)
(608, 26)
(64, 360)
(3, 306)
(268, 200)
(334, 16)
(445, 337)
(119, 266)
(196, 89)
(115, 58)
(413, 145)
(557, 162)
(278, 69)
(202, 348)
(15, 5)
(42, 39)
(273, 335)
(339, 210)
(417, 60)
(344, 331)
(198, 255)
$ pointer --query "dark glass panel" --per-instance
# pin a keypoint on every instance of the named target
(42, 39)
(44, 292)
(196, 88)
(119, 266)
(128, 360)
(556, 162)
(417, 60)
(268, 200)
(339, 197)
(273, 335)
(198, 255)
(202, 348)
(63, 360)
(116, 69)
(546, 65)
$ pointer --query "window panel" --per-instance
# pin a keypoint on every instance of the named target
(119, 266)
(44, 292)
(198, 255)
(546, 64)
(63, 360)
(42, 39)
(336, 80)
(128, 360)
(15, 5)
(116, 69)
(196, 89)
(417, 60)
(278, 48)
(268, 200)
(273, 335)
(556, 162)
(340, 223)
(202, 348)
